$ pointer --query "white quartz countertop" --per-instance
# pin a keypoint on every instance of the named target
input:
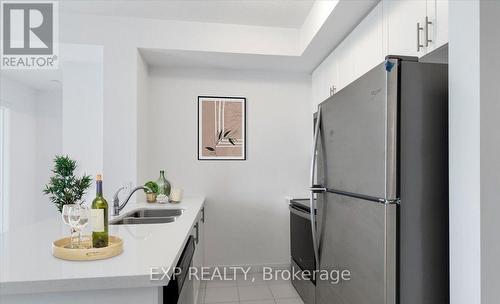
(27, 264)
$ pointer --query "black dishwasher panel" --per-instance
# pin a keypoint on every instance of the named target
(173, 290)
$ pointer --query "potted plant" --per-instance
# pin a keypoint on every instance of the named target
(152, 191)
(64, 187)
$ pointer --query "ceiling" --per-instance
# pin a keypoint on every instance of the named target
(345, 16)
(274, 13)
(215, 60)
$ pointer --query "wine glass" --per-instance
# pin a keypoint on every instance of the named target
(84, 219)
(65, 217)
(74, 220)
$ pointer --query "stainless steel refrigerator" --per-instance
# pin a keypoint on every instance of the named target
(380, 176)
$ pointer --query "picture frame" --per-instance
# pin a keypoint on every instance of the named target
(221, 128)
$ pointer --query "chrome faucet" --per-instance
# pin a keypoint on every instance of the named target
(117, 207)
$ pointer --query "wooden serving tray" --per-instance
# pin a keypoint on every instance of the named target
(61, 250)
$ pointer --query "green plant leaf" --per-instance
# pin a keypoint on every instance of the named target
(64, 187)
(153, 186)
(210, 149)
(231, 140)
(220, 134)
(227, 133)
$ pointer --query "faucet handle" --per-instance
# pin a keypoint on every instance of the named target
(116, 200)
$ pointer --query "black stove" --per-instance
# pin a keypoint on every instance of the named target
(302, 203)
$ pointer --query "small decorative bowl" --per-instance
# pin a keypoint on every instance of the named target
(162, 198)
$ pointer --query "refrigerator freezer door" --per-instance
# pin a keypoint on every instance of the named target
(359, 236)
(358, 135)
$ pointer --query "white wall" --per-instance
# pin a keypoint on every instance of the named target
(121, 38)
(21, 104)
(490, 150)
(247, 218)
(464, 141)
(34, 138)
(82, 109)
(127, 138)
(48, 119)
(474, 150)
(48, 144)
(143, 135)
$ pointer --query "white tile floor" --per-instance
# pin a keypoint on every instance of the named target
(253, 290)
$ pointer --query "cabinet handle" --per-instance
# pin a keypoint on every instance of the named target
(332, 90)
(203, 215)
(419, 28)
(427, 22)
(197, 236)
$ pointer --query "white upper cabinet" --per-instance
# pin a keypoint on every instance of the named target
(415, 27)
(325, 80)
(437, 12)
(405, 26)
(391, 28)
(367, 42)
(360, 51)
(319, 86)
(331, 73)
(345, 58)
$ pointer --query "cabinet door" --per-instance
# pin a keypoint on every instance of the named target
(437, 12)
(315, 88)
(323, 78)
(345, 63)
(362, 50)
(197, 295)
(402, 18)
(368, 42)
(318, 86)
(331, 76)
(201, 236)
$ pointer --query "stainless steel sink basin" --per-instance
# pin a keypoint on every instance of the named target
(147, 216)
(155, 213)
(144, 220)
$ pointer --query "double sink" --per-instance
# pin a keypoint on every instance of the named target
(147, 216)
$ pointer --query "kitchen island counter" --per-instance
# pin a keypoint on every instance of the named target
(28, 267)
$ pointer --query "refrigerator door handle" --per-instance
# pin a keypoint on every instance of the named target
(315, 188)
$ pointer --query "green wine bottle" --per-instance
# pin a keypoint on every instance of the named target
(99, 215)
(163, 184)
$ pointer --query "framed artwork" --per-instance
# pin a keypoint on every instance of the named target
(221, 128)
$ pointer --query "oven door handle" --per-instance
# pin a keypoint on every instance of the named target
(298, 212)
